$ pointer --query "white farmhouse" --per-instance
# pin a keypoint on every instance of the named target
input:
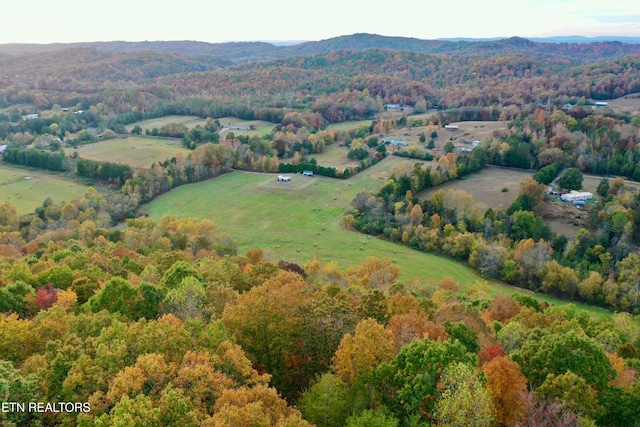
(573, 195)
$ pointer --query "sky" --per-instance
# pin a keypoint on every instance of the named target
(67, 21)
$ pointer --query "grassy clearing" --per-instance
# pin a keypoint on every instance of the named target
(250, 207)
(261, 128)
(298, 221)
(347, 126)
(26, 189)
(188, 121)
(334, 155)
(133, 150)
(591, 182)
(486, 187)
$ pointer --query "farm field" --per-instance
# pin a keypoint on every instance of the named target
(299, 221)
(305, 226)
(591, 182)
(260, 127)
(334, 155)
(629, 104)
(26, 189)
(134, 151)
(470, 131)
(486, 187)
(188, 121)
(347, 126)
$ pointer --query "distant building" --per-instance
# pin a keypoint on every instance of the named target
(601, 104)
(465, 149)
(395, 142)
(392, 106)
(3, 148)
(307, 173)
(573, 195)
(33, 116)
(282, 178)
(475, 143)
(451, 127)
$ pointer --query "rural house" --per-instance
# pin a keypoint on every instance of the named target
(573, 195)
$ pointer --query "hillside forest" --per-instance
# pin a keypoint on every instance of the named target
(116, 319)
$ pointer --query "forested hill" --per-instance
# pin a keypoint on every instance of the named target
(575, 53)
(357, 83)
(49, 69)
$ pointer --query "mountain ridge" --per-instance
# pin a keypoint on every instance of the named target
(572, 49)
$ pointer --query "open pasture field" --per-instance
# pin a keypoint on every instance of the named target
(475, 130)
(629, 104)
(334, 155)
(486, 187)
(299, 221)
(188, 121)
(135, 151)
(468, 131)
(26, 189)
(347, 126)
(261, 128)
(591, 182)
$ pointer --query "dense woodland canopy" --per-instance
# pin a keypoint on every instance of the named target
(167, 324)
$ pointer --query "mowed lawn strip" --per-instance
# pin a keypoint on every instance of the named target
(27, 189)
(133, 150)
(298, 221)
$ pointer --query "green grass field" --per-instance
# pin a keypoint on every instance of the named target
(250, 207)
(261, 128)
(188, 121)
(334, 155)
(133, 150)
(298, 221)
(347, 126)
(26, 189)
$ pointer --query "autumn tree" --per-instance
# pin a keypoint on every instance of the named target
(378, 273)
(572, 391)
(507, 385)
(256, 406)
(409, 383)
(464, 400)
(502, 308)
(361, 353)
(268, 321)
(9, 218)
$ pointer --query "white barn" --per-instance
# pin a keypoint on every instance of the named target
(282, 178)
(573, 195)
